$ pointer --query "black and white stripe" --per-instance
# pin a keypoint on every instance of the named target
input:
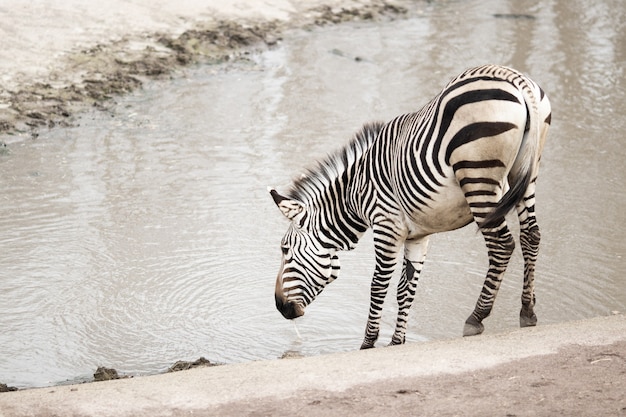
(470, 154)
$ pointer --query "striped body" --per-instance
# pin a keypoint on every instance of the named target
(471, 154)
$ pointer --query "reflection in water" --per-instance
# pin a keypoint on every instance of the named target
(145, 235)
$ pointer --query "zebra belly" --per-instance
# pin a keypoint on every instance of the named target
(448, 210)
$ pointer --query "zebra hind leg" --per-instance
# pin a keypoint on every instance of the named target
(500, 245)
(529, 241)
(414, 255)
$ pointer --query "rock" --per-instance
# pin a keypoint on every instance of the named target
(105, 374)
(6, 388)
(184, 365)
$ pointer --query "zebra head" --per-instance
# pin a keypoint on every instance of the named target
(308, 264)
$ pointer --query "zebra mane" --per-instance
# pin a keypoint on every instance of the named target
(315, 180)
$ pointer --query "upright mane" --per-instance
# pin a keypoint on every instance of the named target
(315, 180)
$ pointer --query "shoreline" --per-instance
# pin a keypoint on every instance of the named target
(35, 98)
(583, 361)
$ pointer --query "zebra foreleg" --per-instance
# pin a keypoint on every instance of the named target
(414, 255)
(387, 247)
(378, 292)
(500, 245)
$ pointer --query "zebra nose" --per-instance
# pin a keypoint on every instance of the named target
(289, 309)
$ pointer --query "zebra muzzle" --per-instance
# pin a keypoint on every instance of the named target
(289, 309)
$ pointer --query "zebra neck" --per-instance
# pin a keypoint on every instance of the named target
(340, 226)
(331, 191)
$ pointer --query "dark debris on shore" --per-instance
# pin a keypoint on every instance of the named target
(103, 373)
(107, 374)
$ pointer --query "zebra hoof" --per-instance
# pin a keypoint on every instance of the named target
(525, 321)
(527, 317)
(367, 344)
(472, 327)
(395, 342)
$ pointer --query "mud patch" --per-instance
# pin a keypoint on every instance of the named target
(330, 15)
(92, 77)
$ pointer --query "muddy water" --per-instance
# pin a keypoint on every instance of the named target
(145, 235)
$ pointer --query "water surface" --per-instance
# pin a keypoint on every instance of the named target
(145, 234)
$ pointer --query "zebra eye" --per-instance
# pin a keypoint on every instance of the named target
(284, 249)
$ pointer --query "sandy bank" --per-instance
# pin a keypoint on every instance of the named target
(575, 368)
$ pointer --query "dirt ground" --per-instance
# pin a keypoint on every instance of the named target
(576, 381)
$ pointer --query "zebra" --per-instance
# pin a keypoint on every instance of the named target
(470, 155)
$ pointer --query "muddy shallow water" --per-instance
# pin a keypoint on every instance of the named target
(145, 234)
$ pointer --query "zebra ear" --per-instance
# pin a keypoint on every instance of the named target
(290, 208)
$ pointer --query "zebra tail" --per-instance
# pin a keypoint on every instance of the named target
(523, 167)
